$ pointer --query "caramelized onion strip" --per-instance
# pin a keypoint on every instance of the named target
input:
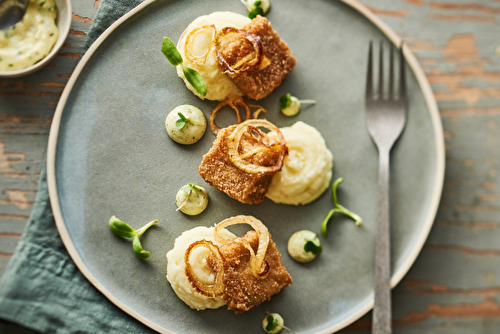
(260, 268)
(248, 61)
(232, 101)
(233, 142)
(190, 43)
(216, 289)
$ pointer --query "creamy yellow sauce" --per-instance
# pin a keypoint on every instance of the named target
(296, 245)
(31, 39)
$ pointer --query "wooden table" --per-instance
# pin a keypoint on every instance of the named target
(454, 286)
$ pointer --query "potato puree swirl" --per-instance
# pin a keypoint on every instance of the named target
(176, 267)
(307, 169)
(31, 39)
(218, 84)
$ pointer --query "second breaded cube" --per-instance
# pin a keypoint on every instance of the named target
(217, 170)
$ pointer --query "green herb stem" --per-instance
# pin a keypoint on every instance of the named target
(146, 227)
(339, 208)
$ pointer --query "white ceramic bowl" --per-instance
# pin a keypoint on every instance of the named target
(63, 22)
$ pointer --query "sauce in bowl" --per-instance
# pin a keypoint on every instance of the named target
(31, 39)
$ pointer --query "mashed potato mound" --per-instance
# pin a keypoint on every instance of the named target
(218, 84)
(176, 267)
(307, 169)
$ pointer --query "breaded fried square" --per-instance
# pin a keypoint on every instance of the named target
(217, 170)
(242, 289)
(257, 83)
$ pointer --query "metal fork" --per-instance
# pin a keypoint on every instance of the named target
(385, 121)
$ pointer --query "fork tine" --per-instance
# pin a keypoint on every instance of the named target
(369, 72)
(402, 75)
(391, 72)
(381, 72)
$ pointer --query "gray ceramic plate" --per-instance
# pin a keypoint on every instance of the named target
(109, 155)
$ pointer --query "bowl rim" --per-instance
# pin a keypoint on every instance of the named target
(55, 49)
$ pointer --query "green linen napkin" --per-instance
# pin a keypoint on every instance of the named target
(42, 289)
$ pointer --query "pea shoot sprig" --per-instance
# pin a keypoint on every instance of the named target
(290, 105)
(183, 120)
(188, 189)
(125, 231)
(339, 208)
(256, 7)
(174, 57)
(273, 323)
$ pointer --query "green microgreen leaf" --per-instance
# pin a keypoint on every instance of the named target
(182, 117)
(272, 323)
(195, 79)
(313, 246)
(187, 188)
(125, 231)
(254, 12)
(141, 253)
(257, 3)
(339, 208)
(285, 101)
(120, 228)
(195, 186)
(180, 124)
(170, 51)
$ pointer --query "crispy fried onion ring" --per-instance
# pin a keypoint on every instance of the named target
(234, 101)
(225, 36)
(216, 289)
(260, 268)
(264, 143)
(192, 43)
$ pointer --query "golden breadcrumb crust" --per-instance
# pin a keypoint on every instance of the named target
(258, 83)
(218, 171)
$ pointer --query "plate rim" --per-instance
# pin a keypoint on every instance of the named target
(396, 276)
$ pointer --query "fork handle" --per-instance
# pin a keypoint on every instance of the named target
(382, 308)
